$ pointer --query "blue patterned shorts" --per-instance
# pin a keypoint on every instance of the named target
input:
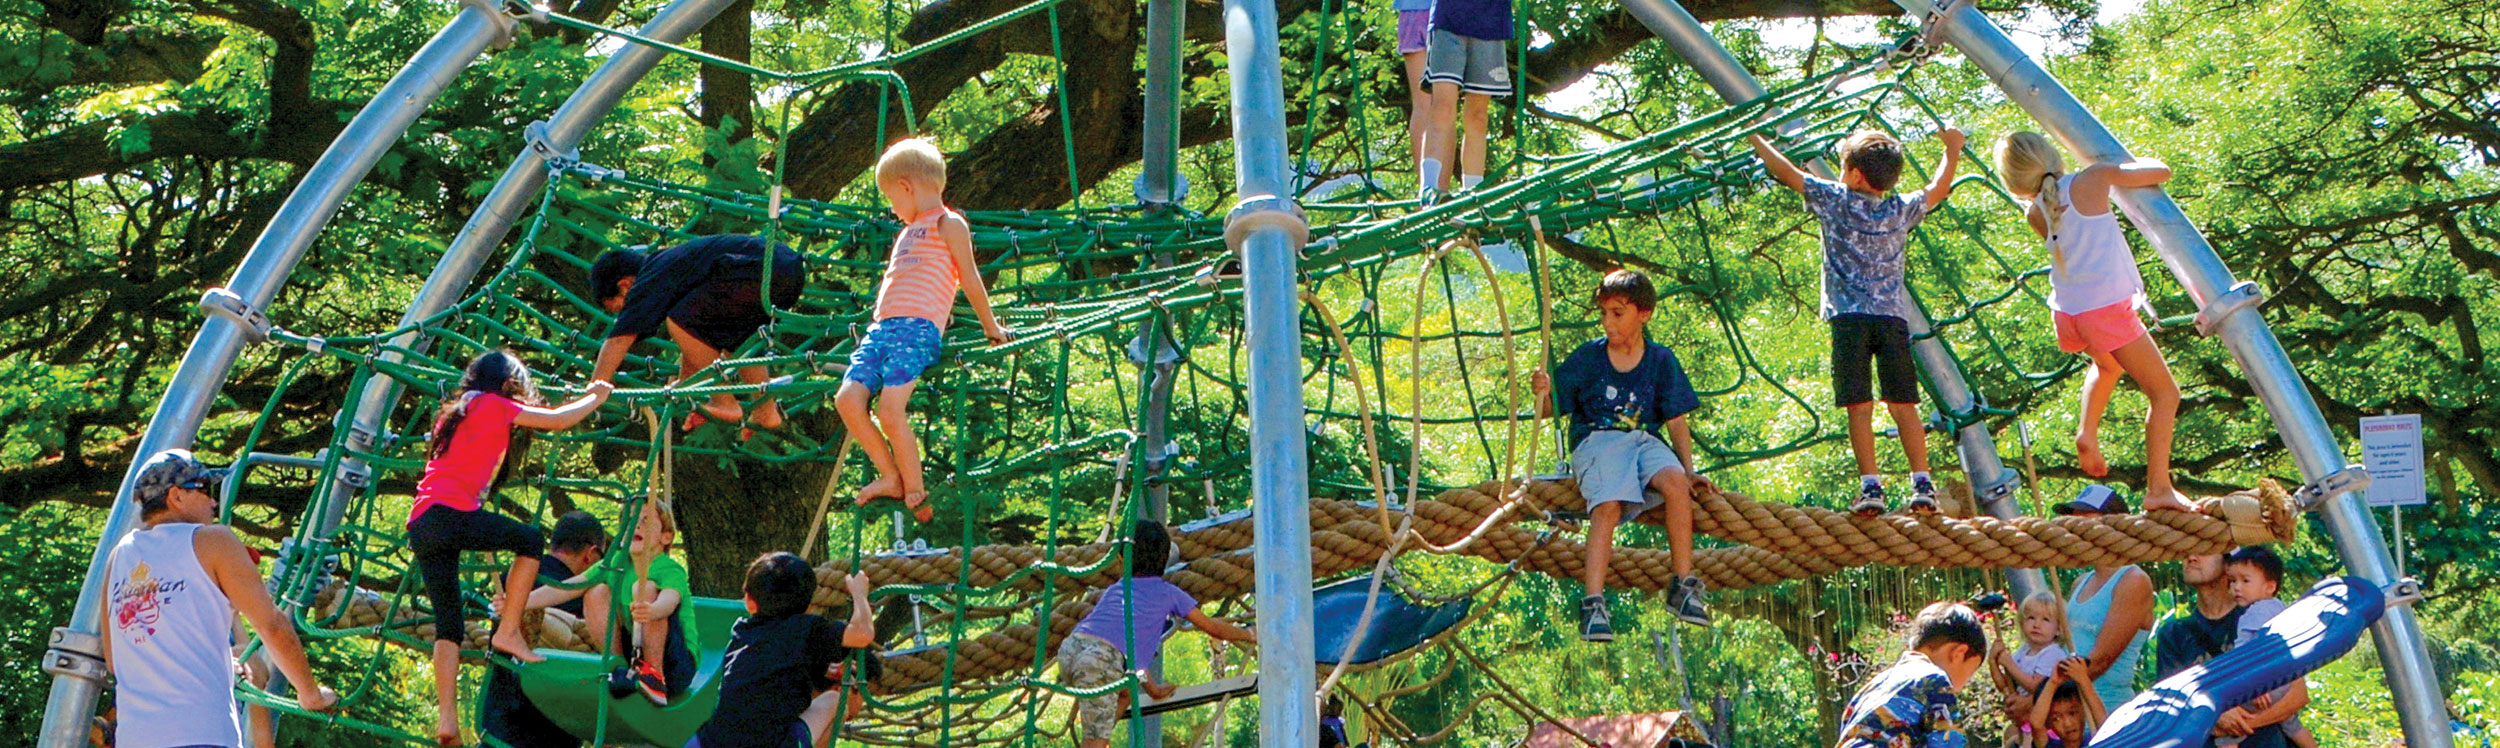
(894, 352)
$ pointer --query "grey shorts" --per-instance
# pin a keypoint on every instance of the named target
(1617, 465)
(1476, 65)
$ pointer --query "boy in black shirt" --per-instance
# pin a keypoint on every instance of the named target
(779, 684)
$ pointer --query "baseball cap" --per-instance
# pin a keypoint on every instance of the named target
(2095, 499)
(175, 468)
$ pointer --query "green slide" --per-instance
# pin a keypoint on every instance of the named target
(570, 686)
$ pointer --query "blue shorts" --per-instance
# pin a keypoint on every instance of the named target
(894, 352)
(1617, 465)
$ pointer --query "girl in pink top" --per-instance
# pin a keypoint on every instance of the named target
(470, 439)
(932, 258)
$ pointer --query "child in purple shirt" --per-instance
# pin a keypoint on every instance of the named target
(1118, 637)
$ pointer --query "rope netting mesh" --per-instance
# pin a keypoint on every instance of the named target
(1087, 293)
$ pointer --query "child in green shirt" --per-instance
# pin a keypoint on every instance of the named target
(663, 624)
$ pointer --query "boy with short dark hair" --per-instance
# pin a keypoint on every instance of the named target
(781, 678)
(1865, 298)
(1620, 390)
(1911, 703)
(2255, 575)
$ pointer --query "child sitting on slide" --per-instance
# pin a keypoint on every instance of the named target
(2094, 291)
(2019, 673)
(932, 258)
(1124, 632)
(786, 668)
(663, 628)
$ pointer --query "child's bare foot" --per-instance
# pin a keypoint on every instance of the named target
(918, 502)
(2088, 455)
(2159, 498)
(446, 728)
(509, 641)
(767, 415)
(724, 409)
(884, 487)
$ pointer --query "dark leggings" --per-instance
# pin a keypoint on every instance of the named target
(440, 534)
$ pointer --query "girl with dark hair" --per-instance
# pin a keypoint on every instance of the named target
(464, 461)
(1119, 636)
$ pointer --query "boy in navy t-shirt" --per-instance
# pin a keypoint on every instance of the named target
(780, 679)
(1620, 390)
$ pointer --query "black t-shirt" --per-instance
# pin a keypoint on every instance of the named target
(668, 276)
(506, 713)
(2188, 638)
(774, 667)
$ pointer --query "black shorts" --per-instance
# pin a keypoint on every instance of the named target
(724, 311)
(1859, 337)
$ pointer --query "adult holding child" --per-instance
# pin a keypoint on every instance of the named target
(2110, 611)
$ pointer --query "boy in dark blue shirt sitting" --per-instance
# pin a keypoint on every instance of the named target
(1619, 390)
(779, 684)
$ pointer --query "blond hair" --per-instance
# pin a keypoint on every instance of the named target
(2057, 612)
(2031, 165)
(667, 513)
(915, 159)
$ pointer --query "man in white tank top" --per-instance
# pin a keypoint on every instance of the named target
(176, 584)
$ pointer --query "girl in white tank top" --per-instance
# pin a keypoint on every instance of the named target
(172, 635)
(2093, 291)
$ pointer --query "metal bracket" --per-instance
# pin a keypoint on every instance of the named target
(2406, 591)
(542, 142)
(219, 302)
(2001, 488)
(1262, 211)
(1180, 190)
(2312, 497)
(495, 14)
(2242, 295)
(76, 654)
(355, 473)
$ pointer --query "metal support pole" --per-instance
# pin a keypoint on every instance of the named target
(1159, 183)
(1991, 483)
(1267, 230)
(2419, 703)
(514, 193)
(75, 659)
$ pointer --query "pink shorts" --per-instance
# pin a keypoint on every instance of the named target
(2100, 330)
(1413, 27)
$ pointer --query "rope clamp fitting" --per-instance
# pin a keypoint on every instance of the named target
(2313, 496)
(219, 302)
(541, 140)
(75, 654)
(355, 474)
(1263, 211)
(2242, 295)
(2406, 591)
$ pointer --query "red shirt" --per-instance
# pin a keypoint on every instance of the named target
(458, 478)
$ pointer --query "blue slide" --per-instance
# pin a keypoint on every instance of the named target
(2181, 709)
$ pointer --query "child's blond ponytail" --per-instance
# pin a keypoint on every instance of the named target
(2029, 163)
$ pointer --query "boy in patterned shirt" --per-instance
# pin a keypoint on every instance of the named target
(1864, 297)
(1910, 705)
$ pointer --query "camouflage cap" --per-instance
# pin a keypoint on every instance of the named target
(173, 468)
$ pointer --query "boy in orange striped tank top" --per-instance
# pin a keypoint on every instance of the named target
(932, 257)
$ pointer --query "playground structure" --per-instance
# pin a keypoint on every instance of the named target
(1179, 287)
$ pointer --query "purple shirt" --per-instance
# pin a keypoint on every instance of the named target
(1475, 19)
(1158, 604)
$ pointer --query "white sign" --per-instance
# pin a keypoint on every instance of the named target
(2391, 448)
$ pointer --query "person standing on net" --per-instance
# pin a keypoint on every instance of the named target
(1621, 390)
(1865, 297)
(1466, 51)
(176, 584)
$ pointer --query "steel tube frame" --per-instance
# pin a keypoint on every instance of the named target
(2261, 358)
(1991, 483)
(1264, 224)
(1159, 180)
(512, 194)
(256, 281)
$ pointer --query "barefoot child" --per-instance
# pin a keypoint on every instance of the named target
(1910, 705)
(2019, 673)
(467, 452)
(706, 295)
(1620, 390)
(1864, 295)
(663, 623)
(1117, 637)
(932, 257)
(2094, 290)
(786, 668)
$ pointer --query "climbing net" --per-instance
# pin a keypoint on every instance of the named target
(1053, 422)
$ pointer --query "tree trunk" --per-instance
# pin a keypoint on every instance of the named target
(730, 515)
